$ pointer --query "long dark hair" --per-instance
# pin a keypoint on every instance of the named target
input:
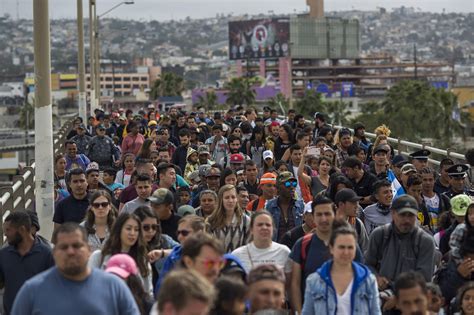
(334, 180)
(135, 285)
(114, 244)
(227, 171)
(90, 217)
(289, 131)
(144, 212)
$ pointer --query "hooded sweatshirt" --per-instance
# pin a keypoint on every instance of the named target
(190, 167)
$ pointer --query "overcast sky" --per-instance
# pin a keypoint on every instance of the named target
(178, 9)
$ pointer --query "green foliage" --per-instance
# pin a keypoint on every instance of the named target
(208, 101)
(278, 100)
(338, 112)
(27, 110)
(169, 84)
(240, 91)
(310, 103)
(414, 110)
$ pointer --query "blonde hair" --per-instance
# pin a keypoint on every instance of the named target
(382, 130)
(217, 219)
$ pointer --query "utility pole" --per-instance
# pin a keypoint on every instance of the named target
(415, 61)
(44, 179)
(81, 62)
(91, 55)
(97, 59)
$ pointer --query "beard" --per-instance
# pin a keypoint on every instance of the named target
(73, 270)
(17, 239)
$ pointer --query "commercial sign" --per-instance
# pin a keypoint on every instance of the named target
(254, 39)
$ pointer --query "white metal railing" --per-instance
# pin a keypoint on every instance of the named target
(21, 194)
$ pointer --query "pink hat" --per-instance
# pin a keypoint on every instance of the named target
(122, 265)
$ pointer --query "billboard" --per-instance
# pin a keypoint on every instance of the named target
(254, 39)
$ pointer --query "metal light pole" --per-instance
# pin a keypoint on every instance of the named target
(97, 45)
(44, 179)
(91, 55)
(81, 62)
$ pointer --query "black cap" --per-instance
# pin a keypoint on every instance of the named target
(266, 108)
(346, 194)
(405, 204)
(421, 154)
(358, 125)
(399, 160)
(457, 171)
(381, 148)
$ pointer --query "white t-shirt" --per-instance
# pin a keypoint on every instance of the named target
(276, 254)
(344, 301)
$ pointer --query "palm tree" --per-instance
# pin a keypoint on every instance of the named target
(310, 103)
(240, 92)
(169, 84)
(338, 112)
(279, 102)
(208, 101)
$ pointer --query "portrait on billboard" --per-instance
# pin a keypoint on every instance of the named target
(267, 38)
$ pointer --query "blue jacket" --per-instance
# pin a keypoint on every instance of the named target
(169, 264)
(320, 294)
(273, 207)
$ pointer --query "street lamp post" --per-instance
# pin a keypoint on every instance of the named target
(44, 179)
(81, 62)
(91, 55)
(96, 44)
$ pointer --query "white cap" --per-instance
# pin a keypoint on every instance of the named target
(267, 154)
(307, 207)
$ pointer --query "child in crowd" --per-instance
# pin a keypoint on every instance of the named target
(109, 179)
(435, 299)
(192, 163)
(462, 202)
(184, 196)
(128, 166)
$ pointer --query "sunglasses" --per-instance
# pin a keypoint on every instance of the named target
(183, 232)
(210, 263)
(147, 227)
(291, 183)
(100, 204)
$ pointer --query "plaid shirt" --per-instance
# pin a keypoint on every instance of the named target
(455, 242)
(341, 156)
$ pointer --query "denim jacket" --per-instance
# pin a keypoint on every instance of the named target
(273, 207)
(320, 294)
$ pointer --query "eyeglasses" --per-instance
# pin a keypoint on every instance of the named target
(147, 227)
(291, 183)
(100, 204)
(183, 232)
(211, 263)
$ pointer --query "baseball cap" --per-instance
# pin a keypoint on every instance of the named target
(407, 168)
(285, 176)
(203, 149)
(194, 176)
(92, 167)
(346, 194)
(122, 265)
(185, 210)
(213, 172)
(81, 126)
(398, 160)
(202, 170)
(268, 154)
(268, 178)
(405, 204)
(161, 196)
(308, 207)
(236, 158)
(100, 126)
(460, 203)
(152, 123)
(381, 148)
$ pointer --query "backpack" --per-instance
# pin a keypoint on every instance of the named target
(304, 248)
(386, 232)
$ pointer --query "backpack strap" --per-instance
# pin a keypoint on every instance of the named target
(385, 237)
(304, 248)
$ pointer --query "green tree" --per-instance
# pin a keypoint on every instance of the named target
(278, 102)
(169, 84)
(27, 111)
(310, 103)
(338, 112)
(240, 91)
(208, 101)
(414, 110)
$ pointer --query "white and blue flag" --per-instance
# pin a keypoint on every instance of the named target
(397, 188)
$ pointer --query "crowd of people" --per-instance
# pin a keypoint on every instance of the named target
(243, 213)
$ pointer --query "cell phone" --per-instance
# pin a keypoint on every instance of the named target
(314, 151)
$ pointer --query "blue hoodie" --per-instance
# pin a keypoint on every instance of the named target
(321, 298)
